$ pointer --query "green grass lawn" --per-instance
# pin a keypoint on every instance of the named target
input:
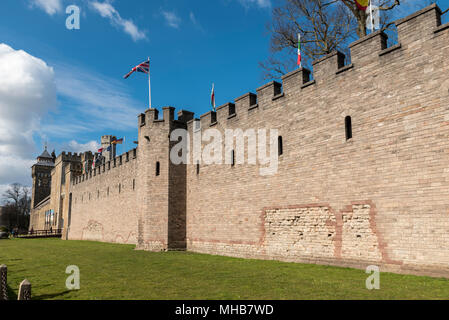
(111, 271)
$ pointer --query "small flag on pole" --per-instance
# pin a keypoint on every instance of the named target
(100, 150)
(362, 4)
(212, 97)
(144, 67)
(117, 141)
(373, 18)
(299, 50)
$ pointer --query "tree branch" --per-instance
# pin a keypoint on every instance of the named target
(396, 3)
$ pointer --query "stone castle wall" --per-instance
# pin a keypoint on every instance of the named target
(104, 201)
(162, 184)
(37, 216)
(380, 198)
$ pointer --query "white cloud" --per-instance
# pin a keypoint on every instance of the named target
(27, 92)
(3, 188)
(193, 18)
(13, 169)
(49, 6)
(74, 146)
(259, 3)
(97, 103)
(172, 19)
(106, 10)
(195, 21)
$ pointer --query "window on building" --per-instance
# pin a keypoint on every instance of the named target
(348, 127)
(134, 184)
(232, 158)
(197, 168)
(280, 146)
(158, 168)
(119, 188)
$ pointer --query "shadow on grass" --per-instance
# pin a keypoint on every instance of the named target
(11, 294)
(51, 296)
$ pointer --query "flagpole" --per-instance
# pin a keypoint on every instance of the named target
(213, 97)
(299, 50)
(149, 83)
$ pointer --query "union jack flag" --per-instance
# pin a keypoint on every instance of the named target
(143, 67)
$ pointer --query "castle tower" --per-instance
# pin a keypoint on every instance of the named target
(106, 142)
(41, 174)
(161, 184)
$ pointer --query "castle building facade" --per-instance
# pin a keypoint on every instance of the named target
(362, 167)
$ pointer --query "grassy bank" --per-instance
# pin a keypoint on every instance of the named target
(111, 271)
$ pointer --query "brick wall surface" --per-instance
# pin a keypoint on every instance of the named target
(103, 205)
(380, 197)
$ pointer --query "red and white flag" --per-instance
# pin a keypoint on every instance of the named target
(212, 97)
(299, 50)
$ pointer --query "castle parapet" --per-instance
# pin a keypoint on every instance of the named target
(245, 102)
(185, 116)
(208, 119)
(367, 48)
(295, 80)
(107, 166)
(68, 157)
(420, 25)
(267, 92)
(151, 117)
(328, 65)
(225, 112)
(169, 114)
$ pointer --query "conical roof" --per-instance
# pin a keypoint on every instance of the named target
(45, 155)
(45, 159)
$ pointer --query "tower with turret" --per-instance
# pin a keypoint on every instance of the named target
(106, 143)
(41, 174)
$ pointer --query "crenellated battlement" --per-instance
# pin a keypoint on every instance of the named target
(368, 52)
(416, 26)
(117, 162)
(151, 117)
(69, 157)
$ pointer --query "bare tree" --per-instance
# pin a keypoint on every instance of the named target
(361, 15)
(18, 204)
(324, 25)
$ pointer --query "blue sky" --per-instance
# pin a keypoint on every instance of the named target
(76, 76)
(208, 41)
